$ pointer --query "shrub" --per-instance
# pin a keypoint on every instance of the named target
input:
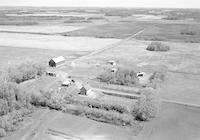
(74, 109)
(157, 75)
(121, 77)
(156, 79)
(157, 46)
(147, 106)
(188, 32)
(8, 92)
(10, 121)
(3, 107)
(24, 71)
(108, 116)
(171, 17)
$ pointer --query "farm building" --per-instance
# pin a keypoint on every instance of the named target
(56, 61)
(111, 62)
(114, 70)
(67, 82)
(140, 74)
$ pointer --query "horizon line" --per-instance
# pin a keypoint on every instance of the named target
(123, 7)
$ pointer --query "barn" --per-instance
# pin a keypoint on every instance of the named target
(56, 61)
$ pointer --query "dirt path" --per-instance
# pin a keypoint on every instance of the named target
(32, 130)
(111, 46)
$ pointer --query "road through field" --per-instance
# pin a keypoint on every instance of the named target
(111, 46)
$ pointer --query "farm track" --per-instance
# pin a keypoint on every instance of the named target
(111, 46)
(31, 131)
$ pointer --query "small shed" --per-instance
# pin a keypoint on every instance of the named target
(66, 82)
(141, 74)
(54, 62)
(82, 90)
(111, 62)
(113, 70)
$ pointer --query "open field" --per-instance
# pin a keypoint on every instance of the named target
(180, 87)
(53, 42)
(15, 55)
(162, 31)
(183, 57)
(53, 127)
(39, 29)
(175, 122)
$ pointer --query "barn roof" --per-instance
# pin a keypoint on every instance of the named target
(58, 59)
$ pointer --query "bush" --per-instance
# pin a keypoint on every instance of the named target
(121, 77)
(147, 106)
(10, 121)
(3, 107)
(156, 79)
(8, 92)
(100, 115)
(171, 17)
(188, 32)
(157, 46)
(24, 71)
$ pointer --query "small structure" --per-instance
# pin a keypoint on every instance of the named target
(97, 65)
(56, 61)
(114, 70)
(66, 82)
(82, 89)
(112, 62)
(140, 74)
(51, 73)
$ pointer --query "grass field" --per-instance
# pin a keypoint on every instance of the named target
(112, 30)
(175, 122)
(183, 57)
(14, 55)
(39, 29)
(53, 42)
(161, 31)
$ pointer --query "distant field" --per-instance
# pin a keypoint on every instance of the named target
(171, 32)
(111, 30)
(161, 31)
(54, 42)
(39, 28)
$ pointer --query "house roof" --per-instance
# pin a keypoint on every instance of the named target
(58, 59)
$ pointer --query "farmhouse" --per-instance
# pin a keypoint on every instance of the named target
(56, 61)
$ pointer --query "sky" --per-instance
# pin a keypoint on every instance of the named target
(105, 3)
